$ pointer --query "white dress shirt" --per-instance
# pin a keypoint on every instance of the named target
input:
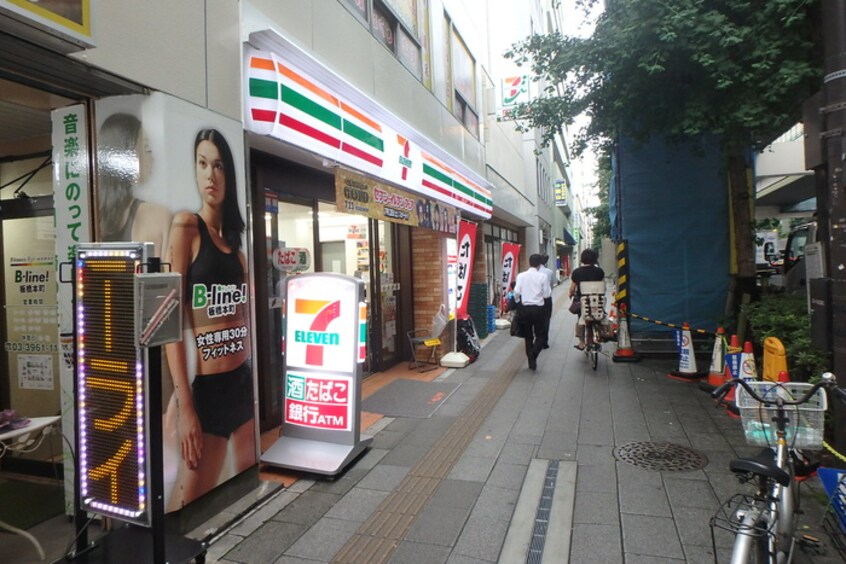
(533, 287)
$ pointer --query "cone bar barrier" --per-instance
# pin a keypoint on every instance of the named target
(716, 373)
(624, 352)
(687, 371)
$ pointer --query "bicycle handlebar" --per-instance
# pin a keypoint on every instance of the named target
(828, 381)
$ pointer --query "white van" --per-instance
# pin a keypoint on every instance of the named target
(794, 256)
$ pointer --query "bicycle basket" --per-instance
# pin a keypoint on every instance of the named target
(805, 422)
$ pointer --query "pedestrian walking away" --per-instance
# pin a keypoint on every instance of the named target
(531, 289)
(547, 302)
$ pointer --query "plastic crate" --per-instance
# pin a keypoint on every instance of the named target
(805, 422)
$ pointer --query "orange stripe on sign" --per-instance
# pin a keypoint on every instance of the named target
(311, 87)
(457, 175)
(264, 64)
(309, 306)
(355, 113)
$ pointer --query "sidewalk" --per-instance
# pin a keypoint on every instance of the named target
(520, 466)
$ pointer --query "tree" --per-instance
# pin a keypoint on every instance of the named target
(602, 225)
(681, 69)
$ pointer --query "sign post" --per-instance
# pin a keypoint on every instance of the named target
(325, 344)
(124, 312)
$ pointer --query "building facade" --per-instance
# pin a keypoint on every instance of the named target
(365, 137)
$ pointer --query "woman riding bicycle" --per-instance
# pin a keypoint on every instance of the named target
(587, 272)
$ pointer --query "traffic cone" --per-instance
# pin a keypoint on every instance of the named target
(687, 371)
(716, 374)
(729, 400)
(612, 315)
(624, 352)
(748, 370)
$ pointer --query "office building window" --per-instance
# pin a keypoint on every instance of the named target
(401, 26)
(461, 80)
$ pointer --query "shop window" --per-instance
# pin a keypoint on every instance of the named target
(402, 27)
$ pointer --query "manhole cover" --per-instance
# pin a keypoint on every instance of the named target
(661, 457)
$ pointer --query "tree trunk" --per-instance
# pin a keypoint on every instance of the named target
(742, 225)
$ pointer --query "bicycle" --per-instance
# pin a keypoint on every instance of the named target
(764, 524)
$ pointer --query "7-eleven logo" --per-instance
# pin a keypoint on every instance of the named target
(317, 338)
(404, 159)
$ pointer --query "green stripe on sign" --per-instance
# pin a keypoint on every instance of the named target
(362, 333)
(436, 174)
(472, 193)
(264, 88)
(363, 135)
(315, 110)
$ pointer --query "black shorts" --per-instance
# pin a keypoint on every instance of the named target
(224, 401)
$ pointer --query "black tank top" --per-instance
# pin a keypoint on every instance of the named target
(212, 266)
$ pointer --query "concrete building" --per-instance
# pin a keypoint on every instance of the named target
(358, 131)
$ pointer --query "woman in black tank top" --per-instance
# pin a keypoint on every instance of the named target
(217, 407)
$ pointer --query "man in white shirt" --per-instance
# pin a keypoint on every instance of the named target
(532, 288)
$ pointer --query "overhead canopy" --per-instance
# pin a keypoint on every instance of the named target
(568, 239)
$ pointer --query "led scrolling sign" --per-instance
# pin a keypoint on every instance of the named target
(111, 389)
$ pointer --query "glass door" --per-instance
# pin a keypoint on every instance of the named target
(30, 383)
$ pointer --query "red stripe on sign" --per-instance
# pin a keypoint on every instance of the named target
(356, 152)
(308, 130)
(263, 115)
(453, 195)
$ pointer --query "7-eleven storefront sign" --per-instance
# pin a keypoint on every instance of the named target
(284, 102)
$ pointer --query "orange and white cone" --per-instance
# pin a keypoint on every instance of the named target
(687, 371)
(729, 401)
(716, 373)
(612, 315)
(624, 352)
(748, 370)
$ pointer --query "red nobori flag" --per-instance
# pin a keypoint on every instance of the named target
(464, 273)
(510, 260)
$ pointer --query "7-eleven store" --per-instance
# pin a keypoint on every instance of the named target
(360, 190)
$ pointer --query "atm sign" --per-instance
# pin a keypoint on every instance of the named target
(318, 401)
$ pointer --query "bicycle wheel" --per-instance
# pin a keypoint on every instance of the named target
(592, 347)
(751, 542)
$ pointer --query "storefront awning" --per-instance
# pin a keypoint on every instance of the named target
(292, 97)
(569, 239)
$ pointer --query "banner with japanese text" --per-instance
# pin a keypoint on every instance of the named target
(464, 272)
(510, 260)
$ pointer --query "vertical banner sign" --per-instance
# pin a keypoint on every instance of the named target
(325, 336)
(111, 381)
(70, 200)
(510, 258)
(466, 252)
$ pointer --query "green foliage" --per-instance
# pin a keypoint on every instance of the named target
(602, 225)
(786, 317)
(679, 69)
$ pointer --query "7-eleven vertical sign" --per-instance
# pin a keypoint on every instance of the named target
(464, 272)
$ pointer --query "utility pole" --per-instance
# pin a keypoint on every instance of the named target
(831, 200)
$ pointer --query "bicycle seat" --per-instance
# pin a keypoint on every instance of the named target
(763, 464)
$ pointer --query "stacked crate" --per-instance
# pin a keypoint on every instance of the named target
(477, 304)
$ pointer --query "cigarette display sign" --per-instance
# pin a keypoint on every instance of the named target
(325, 348)
(111, 401)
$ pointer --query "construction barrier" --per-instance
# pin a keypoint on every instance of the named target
(687, 359)
(775, 359)
(716, 372)
(624, 352)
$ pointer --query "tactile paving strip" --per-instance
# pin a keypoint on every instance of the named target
(661, 457)
(378, 537)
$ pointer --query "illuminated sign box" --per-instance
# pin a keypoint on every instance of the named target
(158, 300)
(111, 381)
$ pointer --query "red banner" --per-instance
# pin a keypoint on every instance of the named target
(510, 260)
(464, 273)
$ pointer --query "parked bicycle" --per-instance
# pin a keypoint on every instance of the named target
(782, 417)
